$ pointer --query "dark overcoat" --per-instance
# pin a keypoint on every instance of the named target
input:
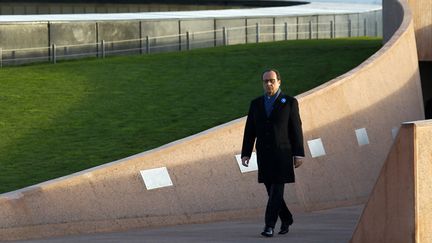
(278, 137)
(428, 109)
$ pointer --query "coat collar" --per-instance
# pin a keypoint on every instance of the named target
(280, 101)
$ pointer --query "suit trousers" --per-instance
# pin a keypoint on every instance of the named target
(276, 205)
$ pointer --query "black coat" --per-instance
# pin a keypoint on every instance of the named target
(279, 137)
(428, 109)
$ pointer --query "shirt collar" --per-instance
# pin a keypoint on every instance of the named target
(273, 97)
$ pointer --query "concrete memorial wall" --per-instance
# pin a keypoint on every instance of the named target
(399, 209)
(31, 36)
(169, 29)
(116, 31)
(74, 39)
(201, 33)
(422, 10)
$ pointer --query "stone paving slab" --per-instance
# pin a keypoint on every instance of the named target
(327, 226)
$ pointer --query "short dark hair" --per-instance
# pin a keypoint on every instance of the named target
(278, 76)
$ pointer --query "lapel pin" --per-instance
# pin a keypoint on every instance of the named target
(283, 100)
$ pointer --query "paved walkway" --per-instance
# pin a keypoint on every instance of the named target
(327, 226)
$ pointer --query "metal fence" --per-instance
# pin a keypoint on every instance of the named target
(190, 40)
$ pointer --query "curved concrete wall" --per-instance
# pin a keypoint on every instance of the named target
(378, 95)
(399, 209)
(207, 183)
(422, 18)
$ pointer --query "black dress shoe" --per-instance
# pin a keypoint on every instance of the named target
(284, 228)
(268, 232)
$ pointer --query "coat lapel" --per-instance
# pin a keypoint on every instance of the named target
(278, 104)
(261, 108)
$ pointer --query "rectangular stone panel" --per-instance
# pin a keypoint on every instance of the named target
(316, 148)
(362, 136)
(16, 39)
(307, 27)
(236, 31)
(201, 33)
(289, 32)
(378, 17)
(325, 26)
(372, 23)
(164, 35)
(121, 36)
(341, 25)
(355, 29)
(156, 178)
(74, 39)
(265, 26)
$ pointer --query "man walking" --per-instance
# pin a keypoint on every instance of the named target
(274, 121)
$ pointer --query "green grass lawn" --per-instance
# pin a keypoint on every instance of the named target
(63, 118)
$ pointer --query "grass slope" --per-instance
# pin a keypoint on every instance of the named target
(63, 118)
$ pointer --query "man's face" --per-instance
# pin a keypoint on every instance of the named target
(270, 83)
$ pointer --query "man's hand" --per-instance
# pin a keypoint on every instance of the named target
(297, 162)
(245, 161)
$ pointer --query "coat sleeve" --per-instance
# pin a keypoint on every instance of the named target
(295, 130)
(249, 134)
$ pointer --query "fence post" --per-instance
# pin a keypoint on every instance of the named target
(53, 53)
(180, 41)
(349, 28)
(376, 28)
(147, 44)
(286, 30)
(331, 29)
(257, 32)
(103, 48)
(365, 26)
(187, 40)
(332, 35)
(310, 29)
(1, 57)
(358, 25)
(97, 40)
(141, 45)
(215, 35)
(225, 36)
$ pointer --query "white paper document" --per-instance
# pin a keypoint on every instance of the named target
(253, 166)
